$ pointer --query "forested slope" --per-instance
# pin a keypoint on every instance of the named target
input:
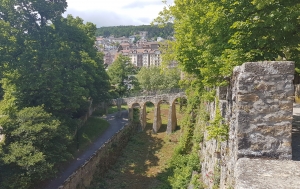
(120, 31)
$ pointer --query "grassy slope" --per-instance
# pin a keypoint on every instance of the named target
(92, 129)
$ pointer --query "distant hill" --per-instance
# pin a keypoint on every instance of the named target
(120, 31)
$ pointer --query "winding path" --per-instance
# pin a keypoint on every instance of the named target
(116, 123)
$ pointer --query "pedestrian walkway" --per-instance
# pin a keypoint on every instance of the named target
(116, 121)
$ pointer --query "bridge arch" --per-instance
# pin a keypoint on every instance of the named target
(172, 118)
(156, 100)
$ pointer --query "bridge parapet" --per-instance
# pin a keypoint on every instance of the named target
(156, 99)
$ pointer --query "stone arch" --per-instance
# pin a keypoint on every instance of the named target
(156, 100)
(157, 122)
(172, 118)
(130, 109)
(143, 113)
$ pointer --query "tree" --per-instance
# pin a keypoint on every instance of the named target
(120, 74)
(214, 36)
(153, 78)
(120, 31)
(56, 65)
(34, 142)
(49, 69)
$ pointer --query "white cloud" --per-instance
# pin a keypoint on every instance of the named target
(116, 12)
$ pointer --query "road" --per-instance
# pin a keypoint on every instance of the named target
(116, 123)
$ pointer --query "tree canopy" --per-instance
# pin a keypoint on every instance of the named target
(121, 73)
(120, 31)
(56, 64)
(49, 71)
(34, 142)
(214, 36)
(153, 78)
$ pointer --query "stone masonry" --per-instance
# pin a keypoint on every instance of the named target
(258, 107)
(263, 109)
(156, 100)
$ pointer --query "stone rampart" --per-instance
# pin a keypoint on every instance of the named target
(258, 107)
(100, 161)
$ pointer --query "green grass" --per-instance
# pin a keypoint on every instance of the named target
(111, 109)
(150, 107)
(90, 131)
(1, 104)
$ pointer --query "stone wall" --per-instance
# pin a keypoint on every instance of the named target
(258, 107)
(101, 160)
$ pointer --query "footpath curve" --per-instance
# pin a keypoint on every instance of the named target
(115, 124)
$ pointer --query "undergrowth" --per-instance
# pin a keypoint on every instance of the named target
(217, 129)
(185, 160)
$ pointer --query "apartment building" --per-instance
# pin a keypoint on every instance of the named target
(146, 55)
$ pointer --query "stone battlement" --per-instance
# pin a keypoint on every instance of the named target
(258, 107)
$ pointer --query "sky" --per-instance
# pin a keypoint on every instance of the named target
(116, 12)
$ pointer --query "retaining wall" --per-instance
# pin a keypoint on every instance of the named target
(101, 160)
(258, 108)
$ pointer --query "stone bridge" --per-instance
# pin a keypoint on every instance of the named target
(156, 100)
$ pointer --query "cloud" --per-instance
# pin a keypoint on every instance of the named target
(142, 4)
(115, 12)
(145, 20)
(105, 18)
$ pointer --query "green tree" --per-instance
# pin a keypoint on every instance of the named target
(212, 37)
(120, 31)
(56, 65)
(121, 75)
(153, 78)
(34, 142)
(49, 69)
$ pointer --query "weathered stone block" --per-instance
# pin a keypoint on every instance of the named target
(269, 68)
(262, 94)
(266, 174)
(247, 98)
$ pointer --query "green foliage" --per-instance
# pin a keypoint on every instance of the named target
(53, 63)
(121, 75)
(196, 182)
(34, 143)
(185, 159)
(154, 78)
(92, 129)
(49, 70)
(217, 129)
(120, 31)
(216, 177)
(136, 115)
(168, 56)
(214, 36)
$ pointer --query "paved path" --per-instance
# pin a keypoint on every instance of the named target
(296, 133)
(116, 123)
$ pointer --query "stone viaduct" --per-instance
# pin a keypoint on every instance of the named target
(140, 101)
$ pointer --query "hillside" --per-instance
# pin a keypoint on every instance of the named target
(120, 31)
